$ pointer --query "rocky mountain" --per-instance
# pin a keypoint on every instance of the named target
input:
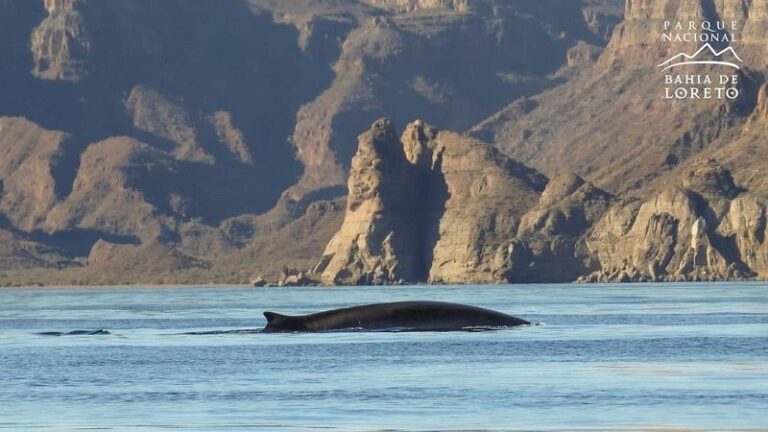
(430, 206)
(440, 207)
(210, 140)
(682, 167)
(591, 124)
(702, 228)
(215, 140)
(437, 207)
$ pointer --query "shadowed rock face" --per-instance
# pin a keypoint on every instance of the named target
(28, 157)
(487, 195)
(61, 43)
(549, 246)
(207, 89)
(18, 250)
(393, 63)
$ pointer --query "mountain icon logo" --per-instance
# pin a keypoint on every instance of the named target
(682, 58)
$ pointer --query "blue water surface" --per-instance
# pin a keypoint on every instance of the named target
(604, 357)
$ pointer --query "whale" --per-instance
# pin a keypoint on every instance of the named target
(395, 316)
(75, 333)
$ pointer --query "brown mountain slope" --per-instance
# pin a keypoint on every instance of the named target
(28, 157)
(746, 153)
(613, 124)
(167, 133)
(435, 206)
(481, 218)
(393, 63)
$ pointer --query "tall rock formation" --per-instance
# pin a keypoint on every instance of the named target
(745, 229)
(438, 207)
(432, 206)
(376, 243)
(487, 196)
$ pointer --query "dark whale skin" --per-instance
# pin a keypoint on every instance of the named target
(76, 333)
(401, 316)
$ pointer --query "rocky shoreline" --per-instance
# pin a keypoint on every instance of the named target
(487, 219)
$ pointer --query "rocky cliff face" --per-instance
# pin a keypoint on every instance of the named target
(431, 206)
(377, 242)
(745, 227)
(550, 242)
(187, 140)
(673, 222)
(416, 5)
(487, 196)
(637, 39)
(463, 213)
(28, 157)
(589, 125)
(22, 251)
(477, 217)
(203, 131)
(685, 232)
(392, 63)
(61, 43)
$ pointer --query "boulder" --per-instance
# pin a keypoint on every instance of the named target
(258, 281)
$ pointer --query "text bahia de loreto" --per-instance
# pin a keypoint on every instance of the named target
(713, 39)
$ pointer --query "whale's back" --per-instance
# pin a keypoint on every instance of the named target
(410, 315)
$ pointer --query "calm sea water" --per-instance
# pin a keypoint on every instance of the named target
(604, 357)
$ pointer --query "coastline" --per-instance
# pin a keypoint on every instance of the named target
(123, 286)
(377, 287)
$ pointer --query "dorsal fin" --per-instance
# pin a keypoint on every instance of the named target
(273, 316)
(277, 322)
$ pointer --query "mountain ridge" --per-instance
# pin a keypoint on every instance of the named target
(222, 147)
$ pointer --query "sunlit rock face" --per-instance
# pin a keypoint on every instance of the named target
(61, 43)
(697, 230)
(375, 243)
(430, 206)
(222, 135)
